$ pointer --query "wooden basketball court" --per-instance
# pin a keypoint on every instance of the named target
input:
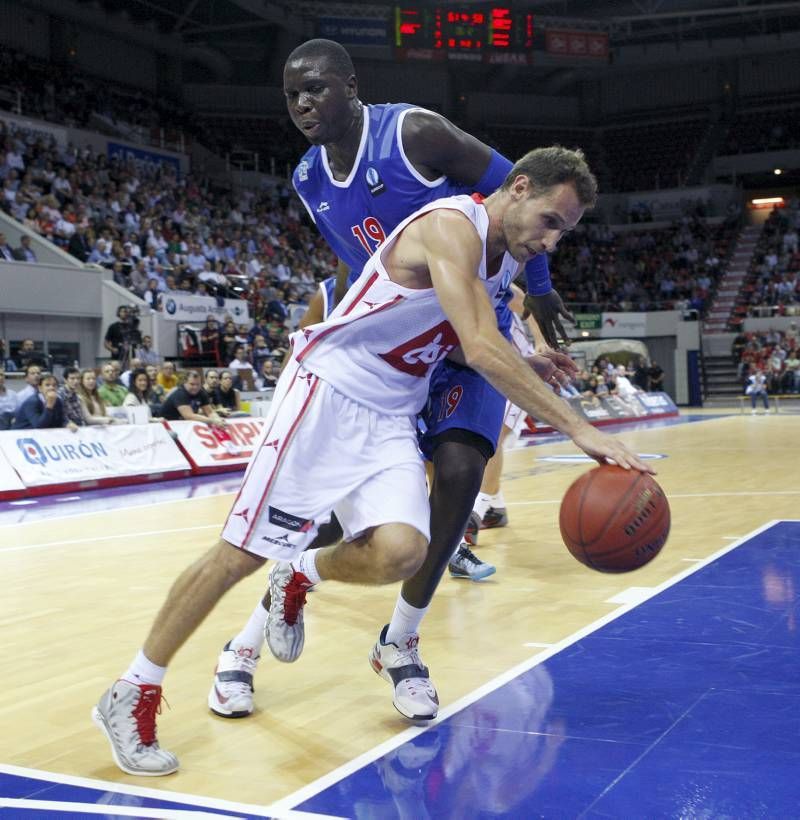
(79, 593)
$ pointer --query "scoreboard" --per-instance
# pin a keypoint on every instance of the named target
(486, 33)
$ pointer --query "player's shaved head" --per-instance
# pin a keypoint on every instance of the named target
(336, 55)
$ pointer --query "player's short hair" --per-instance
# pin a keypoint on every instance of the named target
(335, 53)
(556, 165)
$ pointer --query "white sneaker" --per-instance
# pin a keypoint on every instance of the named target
(414, 695)
(231, 694)
(465, 564)
(284, 630)
(126, 714)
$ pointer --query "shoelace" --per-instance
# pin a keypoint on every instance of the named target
(294, 598)
(469, 555)
(145, 711)
(407, 657)
(243, 664)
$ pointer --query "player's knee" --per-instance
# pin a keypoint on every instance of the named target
(230, 563)
(459, 468)
(402, 550)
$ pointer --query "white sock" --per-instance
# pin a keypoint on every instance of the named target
(482, 503)
(143, 670)
(252, 636)
(405, 619)
(497, 500)
(307, 564)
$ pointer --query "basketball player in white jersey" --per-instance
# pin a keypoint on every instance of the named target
(422, 294)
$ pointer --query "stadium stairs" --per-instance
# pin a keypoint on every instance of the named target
(720, 383)
(724, 305)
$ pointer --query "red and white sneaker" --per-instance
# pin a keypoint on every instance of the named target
(414, 695)
(284, 630)
(126, 714)
(231, 694)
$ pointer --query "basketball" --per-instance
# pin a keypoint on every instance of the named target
(614, 520)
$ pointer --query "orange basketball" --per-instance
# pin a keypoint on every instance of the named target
(614, 520)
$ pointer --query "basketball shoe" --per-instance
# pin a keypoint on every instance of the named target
(414, 695)
(126, 714)
(231, 694)
(284, 630)
(473, 527)
(465, 564)
(494, 517)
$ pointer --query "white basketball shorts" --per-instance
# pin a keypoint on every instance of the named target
(514, 419)
(321, 451)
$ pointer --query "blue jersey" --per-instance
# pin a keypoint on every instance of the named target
(382, 189)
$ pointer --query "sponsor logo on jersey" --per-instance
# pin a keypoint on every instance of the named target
(322, 207)
(280, 541)
(245, 513)
(302, 171)
(289, 521)
(417, 355)
(374, 182)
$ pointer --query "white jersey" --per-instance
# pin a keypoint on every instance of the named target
(519, 336)
(380, 344)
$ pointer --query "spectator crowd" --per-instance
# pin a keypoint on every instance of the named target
(773, 354)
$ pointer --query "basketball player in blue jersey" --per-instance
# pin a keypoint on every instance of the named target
(368, 168)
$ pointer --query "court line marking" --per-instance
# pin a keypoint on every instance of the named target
(111, 810)
(352, 766)
(156, 794)
(631, 595)
(106, 538)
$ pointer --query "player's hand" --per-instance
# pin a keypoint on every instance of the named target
(547, 370)
(547, 309)
(561, 360)
(604, 449)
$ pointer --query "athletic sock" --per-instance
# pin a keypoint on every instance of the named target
(405, 619)
(252, 636)
(143, 670)
(307, 564)
(482, 503)
(497, 500)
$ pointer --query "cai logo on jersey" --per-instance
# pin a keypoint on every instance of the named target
(417, 355)
(374, 182)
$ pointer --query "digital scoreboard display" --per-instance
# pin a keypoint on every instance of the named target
(481, 33)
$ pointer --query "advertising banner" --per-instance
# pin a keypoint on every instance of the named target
(34, 130)
(9, 481)
(207, 446)
(141, 157)
(566, 43)
(197, 308)
(354, 31)
(58, 456)
(624, 324)
(609, 409)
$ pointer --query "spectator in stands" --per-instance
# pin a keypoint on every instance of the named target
(27, 355)
(111, 391)
(140, 393)
(190, 402)
(757, 388)
(123, 335)
(145, 353)
(73, 409)
(211, 381)
(6, 251)
(791, 378)
(226, 397)
(92, 404)
(79, 245)
(44, 409)
(229, 340)
(152, 294)
(656, 375)
(622, 384)
(25, 253)
(101, 254)
(125, 378)
(261, 352)
(167, 378)
(8, 402)
(33, 375)
(240, 360)
(267, 375)
(210, 339)
(641, 374)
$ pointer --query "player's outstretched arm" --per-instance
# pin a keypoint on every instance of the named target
(453, 251)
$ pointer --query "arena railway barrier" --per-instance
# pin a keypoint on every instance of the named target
(47, 462)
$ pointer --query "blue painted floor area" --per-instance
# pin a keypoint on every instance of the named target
(687, 706)
(17, 787)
